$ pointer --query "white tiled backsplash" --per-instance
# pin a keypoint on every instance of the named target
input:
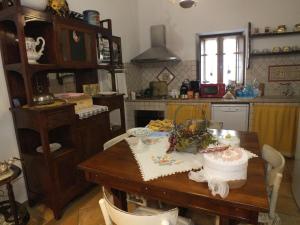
(148, 72)
(139, 76)
(259, 69)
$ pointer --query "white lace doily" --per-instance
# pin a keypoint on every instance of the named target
(154, 162)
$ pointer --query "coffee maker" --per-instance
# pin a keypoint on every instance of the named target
(195, 86)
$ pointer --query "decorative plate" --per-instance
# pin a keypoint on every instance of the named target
(139, 132)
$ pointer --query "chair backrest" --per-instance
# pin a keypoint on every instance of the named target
(276, 162)
(114, 141)
(113, 215)
(274, 194)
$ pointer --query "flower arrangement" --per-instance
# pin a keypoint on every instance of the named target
(191, 136)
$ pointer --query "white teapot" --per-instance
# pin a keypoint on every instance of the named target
(32, 53)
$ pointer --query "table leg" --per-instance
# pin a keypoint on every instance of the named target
(227, 221)
(120, 199)
(12, 202)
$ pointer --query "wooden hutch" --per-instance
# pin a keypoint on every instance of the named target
(52, 177)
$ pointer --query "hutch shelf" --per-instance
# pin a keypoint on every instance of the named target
(254, 36)
(70, 45)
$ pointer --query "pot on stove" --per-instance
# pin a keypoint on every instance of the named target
(159, 88)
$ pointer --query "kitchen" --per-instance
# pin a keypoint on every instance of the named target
(132, 20)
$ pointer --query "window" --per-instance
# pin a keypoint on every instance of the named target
(221, 58)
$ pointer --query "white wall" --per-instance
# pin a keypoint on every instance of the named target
(210, 16)
(123, 14)
(124, 19)
(8, 142)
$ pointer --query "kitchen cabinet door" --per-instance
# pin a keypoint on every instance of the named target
(92, 133)
(76, 44)
(276, 125)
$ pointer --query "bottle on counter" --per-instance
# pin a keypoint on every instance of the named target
(133, 95)
(190, 94)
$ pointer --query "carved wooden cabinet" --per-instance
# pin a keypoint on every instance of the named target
(51, 176)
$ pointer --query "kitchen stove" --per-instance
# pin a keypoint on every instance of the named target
(143, 117)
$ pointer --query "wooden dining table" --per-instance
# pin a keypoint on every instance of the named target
(117, 168)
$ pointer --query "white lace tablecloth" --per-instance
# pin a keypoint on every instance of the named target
(150, 169)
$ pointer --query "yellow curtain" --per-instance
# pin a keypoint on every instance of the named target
(188, 111)
(276, 125)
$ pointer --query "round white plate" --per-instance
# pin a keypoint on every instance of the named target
(139, 132)
(53, 147)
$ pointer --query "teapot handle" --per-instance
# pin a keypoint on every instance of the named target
(38, 40)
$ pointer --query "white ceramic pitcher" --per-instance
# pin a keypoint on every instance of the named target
(32, 54)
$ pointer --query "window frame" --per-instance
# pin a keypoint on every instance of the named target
(219, 37)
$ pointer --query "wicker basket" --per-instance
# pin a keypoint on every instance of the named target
(190, 135)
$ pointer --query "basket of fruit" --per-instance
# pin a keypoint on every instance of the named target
(191, 136)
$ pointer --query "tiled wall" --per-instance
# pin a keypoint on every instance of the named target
(145, 105)
(139, 76)
(67, 86)
(148, 72)
(259, 70)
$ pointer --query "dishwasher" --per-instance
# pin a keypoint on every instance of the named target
(233, 116)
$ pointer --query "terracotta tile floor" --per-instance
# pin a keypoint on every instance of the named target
(86, 211)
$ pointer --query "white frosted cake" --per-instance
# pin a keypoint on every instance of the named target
(228, 165)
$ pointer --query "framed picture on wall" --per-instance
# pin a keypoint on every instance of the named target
(278, 73)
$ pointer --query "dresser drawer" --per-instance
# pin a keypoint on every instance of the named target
(61, 117)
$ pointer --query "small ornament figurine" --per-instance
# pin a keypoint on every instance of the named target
(58, 7)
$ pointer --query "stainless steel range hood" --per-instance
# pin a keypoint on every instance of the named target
(158, 51)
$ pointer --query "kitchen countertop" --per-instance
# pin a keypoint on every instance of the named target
(264, 99)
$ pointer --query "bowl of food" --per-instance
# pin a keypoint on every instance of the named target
(139, 132)
(150, 140)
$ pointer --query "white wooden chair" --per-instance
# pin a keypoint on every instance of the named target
(140, 200)
(141, 216)
(275, 160)
(275, 167)
(114, 141)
